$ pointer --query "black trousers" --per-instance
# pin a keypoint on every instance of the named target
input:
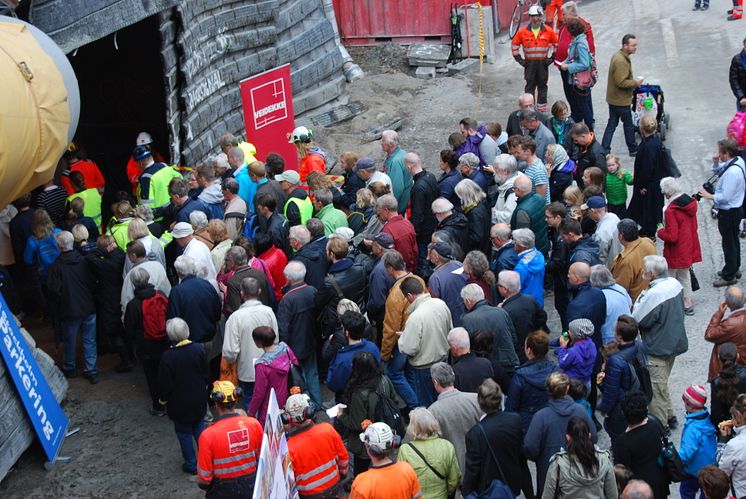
(728, 226)
(536, 74)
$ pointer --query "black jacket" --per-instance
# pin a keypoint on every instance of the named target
(424, 191)
(272, 187)
(471, 371)
(527, 317)
(197, 302)
(133, 325)
(352, 184)
(737, 77)
(350, 279)
(457, 226)
(313, 256)
(107, 270)
(479, 228)
(483, 316)
(585, 157)
(647, 210)
(71, 286)
(182, 382)
(506, 438)
(296, 320)
(233, 299)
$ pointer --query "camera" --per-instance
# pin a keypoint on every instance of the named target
(707, 186)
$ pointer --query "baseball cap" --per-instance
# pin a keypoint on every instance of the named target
(594, 202)
(290, 176)
(378, 434)
(384, 240)
(581, 328)
(364, 164)
(182, 229)
(695, 396)
(441, 248)
(345, 232)
(296, 405)
(140, 152)
(227, 389)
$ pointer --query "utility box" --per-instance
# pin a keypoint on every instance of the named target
(476, 26)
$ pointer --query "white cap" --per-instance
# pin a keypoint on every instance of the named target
(143, 139)
(182, 229)
(535, 10)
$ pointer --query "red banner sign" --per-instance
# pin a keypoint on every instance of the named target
(268, 114)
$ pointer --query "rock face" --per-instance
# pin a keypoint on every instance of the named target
(207, 48)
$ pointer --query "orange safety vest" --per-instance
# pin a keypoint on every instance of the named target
(535, 48)
(319, 458)
(229, 448)
(390, 481)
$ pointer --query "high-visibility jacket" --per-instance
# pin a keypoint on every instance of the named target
(249, 150)
(153, 184)
(305, 207)
(535, 47)
(92, 204)
(312, 162)
(229, 448)
(319, 458)
(118, 230)
(91, 175)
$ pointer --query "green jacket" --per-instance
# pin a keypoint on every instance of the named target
(401, 179)
(616, 188)
(441, 455)
(92, 204)
(118, 230)
(529, 214)
(157, 194)
(332, 218)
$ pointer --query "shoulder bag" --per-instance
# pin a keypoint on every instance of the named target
(498, 489)
(416, 451)
(669, 458)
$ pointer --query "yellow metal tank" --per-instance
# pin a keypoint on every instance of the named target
(39, 107)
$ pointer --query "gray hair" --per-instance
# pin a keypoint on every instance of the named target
(670, 186)
(656, 265)
(301, 234)
(443, 374)
(441, 205)
(472, 292)
(139, 277)
(65, 240)
(198, 220)
(506, 163)
(524, 237)
(237, 255)
(502, 231)
(459, 337)
(477, 262)
(734, 297)
(251, 288)
(412, 158)
(324, 196)
(422, 424)
(144, 212)
(394, 260)
(177, 329)
(346, 305)
(570, 8)
(470, 159)
(390, 137)
(200, 270)
(510, 279)
(469, 193)
(387, 202)
(601, 277)
(236, 153)
(221, 161)
(527, 115)
(295, 271)
(184, 266)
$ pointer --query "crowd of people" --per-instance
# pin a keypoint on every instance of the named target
(417, 300)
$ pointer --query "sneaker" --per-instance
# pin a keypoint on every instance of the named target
(92, 377)
(69, 373)
(704, 7)
(695, 8)
(722, 282)
(689, 311)
(734, 17)
(157, 412)
(730, 11)
(673, 423)
(738, 274)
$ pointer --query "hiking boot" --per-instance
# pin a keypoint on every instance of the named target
(722, 282)
(92, 378)
(738, 274)
(157, 412)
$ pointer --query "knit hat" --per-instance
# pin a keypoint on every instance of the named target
(345, 232)
(581, 329)
(695, 396)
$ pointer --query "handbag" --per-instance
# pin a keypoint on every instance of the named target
(693, 279)
(669, 458)
(498, 489)
(584, 80)
(668, 165)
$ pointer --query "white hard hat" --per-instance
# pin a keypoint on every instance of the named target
(143, 138)
(301, 134)
(535, 10)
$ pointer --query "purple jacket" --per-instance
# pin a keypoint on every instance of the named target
(272, 371)
(577, 361)
(472, 144)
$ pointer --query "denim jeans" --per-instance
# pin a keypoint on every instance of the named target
(689, 487)
(185, 433)
(87, 328)
(423, 386)
(395, 370)
(247, 387)
(615, 114)
(311, 376)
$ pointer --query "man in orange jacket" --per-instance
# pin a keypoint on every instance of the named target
(538, 41)
(319, 457)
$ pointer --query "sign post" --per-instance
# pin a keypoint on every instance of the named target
(274, 473)
(268, 114)
(45, 413)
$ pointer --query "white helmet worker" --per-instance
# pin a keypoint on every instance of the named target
(301, 134)
(143, 139)
(535, 10)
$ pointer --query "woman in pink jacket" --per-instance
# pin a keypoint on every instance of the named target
(272, 371)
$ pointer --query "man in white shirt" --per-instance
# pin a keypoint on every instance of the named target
(366, 170)
(607, 234)
(197, 250)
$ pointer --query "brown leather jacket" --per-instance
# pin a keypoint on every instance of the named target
(719, 331)
(627, 267)
(395, 317)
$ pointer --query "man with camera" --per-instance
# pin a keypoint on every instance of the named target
(727, 198)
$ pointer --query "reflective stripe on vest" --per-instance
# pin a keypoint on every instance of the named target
(318, 477)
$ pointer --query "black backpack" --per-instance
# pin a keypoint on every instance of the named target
(387, 411)
(640, 378)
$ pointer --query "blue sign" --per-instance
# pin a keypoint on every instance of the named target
(46, 415)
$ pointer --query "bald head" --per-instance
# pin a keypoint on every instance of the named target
(734, 297)
(413, 163)
(526, 101)
(522, 186)
(500, 234)
(637, 489)
(581, 271)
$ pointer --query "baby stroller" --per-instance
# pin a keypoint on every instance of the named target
(649, 99)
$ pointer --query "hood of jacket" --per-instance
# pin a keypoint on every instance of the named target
(529, 258)
(457, 220)
(317, 152)
(277, 358)
(685, 204)
(299, 193)
(211, 194)
(586, 243)
(574, 475)
(70, 258)
(145, 292)
(563, 406)
(309, 252)
(536, 372)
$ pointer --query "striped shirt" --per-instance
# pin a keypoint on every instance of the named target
(53, 199)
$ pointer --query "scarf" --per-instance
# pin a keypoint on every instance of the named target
(559, 157)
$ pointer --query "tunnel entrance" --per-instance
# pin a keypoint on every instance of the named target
(122, 93)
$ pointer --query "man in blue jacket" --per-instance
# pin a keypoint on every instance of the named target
(530, 265)
(340, 367)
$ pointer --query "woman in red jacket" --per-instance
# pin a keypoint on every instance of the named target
(681, 246)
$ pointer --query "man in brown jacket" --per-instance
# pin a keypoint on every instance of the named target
(627, 268)
(619, 87)
(732, 329)
(393, 321)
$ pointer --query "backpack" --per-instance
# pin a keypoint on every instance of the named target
(737, 128)
(250, 225)
(640, 378)
(154, 317)
(669, 168)
(387, 411)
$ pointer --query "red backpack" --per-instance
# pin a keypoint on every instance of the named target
(154, 317)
